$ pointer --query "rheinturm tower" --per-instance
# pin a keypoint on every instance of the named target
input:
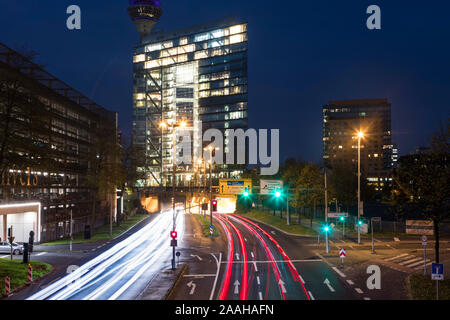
(145, 14)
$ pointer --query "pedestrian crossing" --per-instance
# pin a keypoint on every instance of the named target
(409, 261)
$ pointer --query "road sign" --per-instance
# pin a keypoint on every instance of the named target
(337, 214)
(211, 230)
(424, 240)
(342, 253)
(437, 272)
(11, 239)
(234, 186)
(270, 186)
(174, 243)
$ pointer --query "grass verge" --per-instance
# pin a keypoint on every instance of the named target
(205, 222)
(102, 233)
(276, 221)
(18, 272)
(423, 288)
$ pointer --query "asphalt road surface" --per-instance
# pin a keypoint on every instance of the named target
(123, 271)
(256, 262)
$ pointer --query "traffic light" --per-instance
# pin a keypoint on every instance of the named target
(342, 219)
(173, 234)
(327, 228)
(214, 205)
(277, 193)
(246, 193)
(360, 222)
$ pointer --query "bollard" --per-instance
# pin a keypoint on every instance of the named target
(7, 286)
(30, 274)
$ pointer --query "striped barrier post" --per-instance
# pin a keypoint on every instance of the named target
(30, 274)
(7, 286)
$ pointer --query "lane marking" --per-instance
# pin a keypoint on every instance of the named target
(258, 280)
(378, 240)
(410, 261)
(302, 279)
(359, 290)
(367, 299)
(198, 275)
(339, 272)
(217, 274)
(260, 295)
(328, 284)
(400, 256)
(421, 267)
(350, 282)
(256, 268)
(196, 256)
(417, 263)
(253, 256)
(311, 296)
(41, 254)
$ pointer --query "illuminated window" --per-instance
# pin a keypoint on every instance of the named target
(168, 44)
(139, 58)
(183, 41)
(201, 37)
(201, 54)
(236, 38)
(152, 64)
(236, 29)
(153, 47)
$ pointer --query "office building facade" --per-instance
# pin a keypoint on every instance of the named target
(342, 120)
(197, 75)
(50, 144)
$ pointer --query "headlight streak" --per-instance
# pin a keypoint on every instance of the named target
(65, 288)
(291, 266)
(226, 283)
(244, 281)
(269, 254)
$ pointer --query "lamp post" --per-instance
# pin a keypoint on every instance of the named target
(360, 136)
(210, 149)
(174, 127)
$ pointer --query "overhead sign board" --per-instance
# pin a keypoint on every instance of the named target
(271, 186)
(437, 272)
(234, 186)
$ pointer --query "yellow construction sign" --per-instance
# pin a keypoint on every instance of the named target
(235, 186)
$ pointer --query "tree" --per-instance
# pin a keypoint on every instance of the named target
(309, 187)
(423, 182)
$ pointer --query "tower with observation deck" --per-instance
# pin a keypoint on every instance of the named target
(145, 14)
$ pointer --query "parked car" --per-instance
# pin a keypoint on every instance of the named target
(5, 247)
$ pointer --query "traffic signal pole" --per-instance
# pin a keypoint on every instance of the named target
(326, 214)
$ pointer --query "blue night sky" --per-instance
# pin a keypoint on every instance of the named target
(302, 55)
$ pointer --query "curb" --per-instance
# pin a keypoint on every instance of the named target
(180, 276)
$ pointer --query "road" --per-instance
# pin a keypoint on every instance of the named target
(259, 263)
(123, 271)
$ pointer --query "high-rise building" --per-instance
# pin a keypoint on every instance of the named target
(197, 75)
(342, 122)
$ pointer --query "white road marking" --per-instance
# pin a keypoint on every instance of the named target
(3, 257)
(41, 254)
(198, 275)
(350, 282)
(410, 261)
(359, 290)
(396, 239)
(428, 264)
(282, 285)
(258, 281)
(260, 295)
(192, 285)
(417, 263)
(367, 299)
(217, 274)
(195, 256)
(236, 287)
(400, 256)
(339, 272)
(378, 240)
(311, 296)
(253, 256)
(237, 256)
(273, 232)
(256, 268)
(328, 284)
(303, 281)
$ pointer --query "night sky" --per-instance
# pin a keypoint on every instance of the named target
(302, 54)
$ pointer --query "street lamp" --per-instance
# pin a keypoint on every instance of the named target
(210, 149)
(360, 136)
(174, 126)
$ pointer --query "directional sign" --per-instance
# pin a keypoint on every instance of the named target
(424, 240)
(342, 253)
(337, 214)
(270, 186)
(233, 186)
(437, 271)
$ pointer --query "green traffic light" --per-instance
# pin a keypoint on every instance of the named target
(342, 218)
(326, 229)
(278, 194)
(246, 194)
(360, 222)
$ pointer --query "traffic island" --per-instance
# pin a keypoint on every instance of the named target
(17, 272)
(161, 287)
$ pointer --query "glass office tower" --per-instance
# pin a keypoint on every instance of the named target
(197, 75)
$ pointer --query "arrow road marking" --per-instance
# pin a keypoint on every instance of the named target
(237, 256)
(236, 287)
(273, 232)
(327, 283)
(192, 285)
(282, 285)
(198, 257)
